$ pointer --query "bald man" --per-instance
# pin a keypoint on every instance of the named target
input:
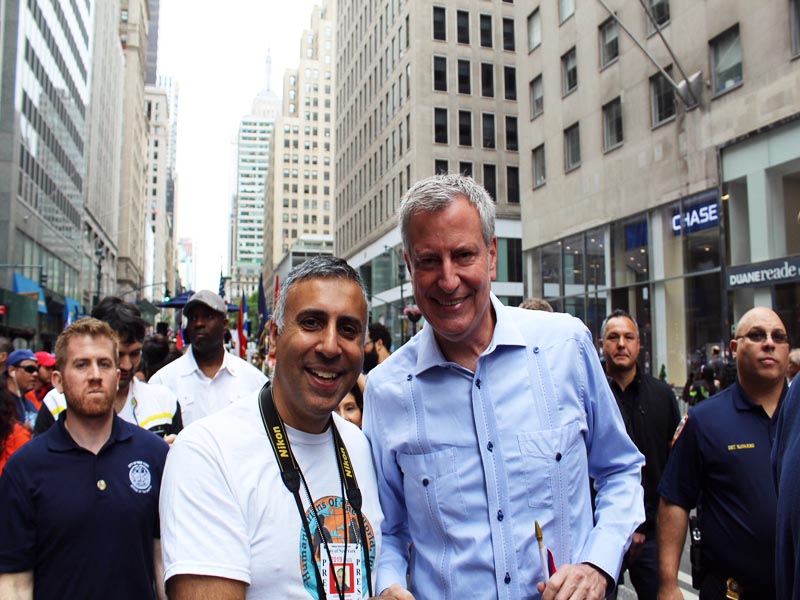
(722, 449)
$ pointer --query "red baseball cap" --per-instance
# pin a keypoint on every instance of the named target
(46, 359)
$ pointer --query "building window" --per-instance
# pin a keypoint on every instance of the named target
(537, 157)
(566, 8)
(464, 77)
(569, 72)
(512, 184)
(440, 125)
(726, 60)
(487, 80)
(508, 34)
(486, 31)
(534, 30)
(439, 25)
(490, 180)
(465, 168)
(537, 97)
(659, 9)
(609, 42)
(462, 26)
(510, 83)
(662, 98)
(794, 19)
(464, 128)
(612, 124)
(572, 147)
(440, 167)
(512, 141)
(440, 73)
(487, 120)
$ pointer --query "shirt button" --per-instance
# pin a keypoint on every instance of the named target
(490, 446)
(101, 485)
(499, 515)
(536, 349)
(508, 578)
(558, 456)
(425, 482)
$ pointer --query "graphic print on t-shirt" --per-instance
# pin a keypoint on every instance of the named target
(350, 570)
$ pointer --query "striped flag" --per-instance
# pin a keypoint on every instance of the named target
(240, 327)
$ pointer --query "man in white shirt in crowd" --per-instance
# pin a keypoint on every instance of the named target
(207, 378)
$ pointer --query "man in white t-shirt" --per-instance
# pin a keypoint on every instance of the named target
(207, 378)
(230, 527)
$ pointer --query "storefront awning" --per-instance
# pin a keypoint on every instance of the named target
(24, 286)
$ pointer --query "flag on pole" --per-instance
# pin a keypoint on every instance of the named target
(179, 339)
(262, 306)
(221, 285)
(240, 327)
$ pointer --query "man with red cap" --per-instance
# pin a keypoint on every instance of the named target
(42, 384)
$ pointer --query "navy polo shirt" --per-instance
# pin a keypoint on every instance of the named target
(84, 523)
(721, 463)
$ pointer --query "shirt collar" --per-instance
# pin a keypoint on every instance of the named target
(190, 366)
(59, 439)
(506, 333)
(743, 402)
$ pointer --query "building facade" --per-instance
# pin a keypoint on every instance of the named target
(678, 203)
(45, 74)
(423, 88)
(158, 275)
(299, 190)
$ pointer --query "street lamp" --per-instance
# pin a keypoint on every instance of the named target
(100, 255)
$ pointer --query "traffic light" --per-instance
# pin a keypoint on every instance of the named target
(42, 278)
(166, 294)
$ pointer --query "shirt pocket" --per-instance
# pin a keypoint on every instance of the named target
(548, 457)
(432, 488)
(188, 408)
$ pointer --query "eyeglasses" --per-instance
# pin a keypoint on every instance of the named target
(29, 368)
(759, 337)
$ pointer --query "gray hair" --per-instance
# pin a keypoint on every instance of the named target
(323, 266)
(437, 193)
(616, 314)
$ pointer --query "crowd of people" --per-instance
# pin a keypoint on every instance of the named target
(500, 457)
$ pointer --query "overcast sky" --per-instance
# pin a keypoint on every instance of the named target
(218, 56)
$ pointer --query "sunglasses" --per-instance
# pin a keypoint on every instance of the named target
(759, 337)
(29, 368)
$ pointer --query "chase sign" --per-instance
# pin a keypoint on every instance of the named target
(699, 212)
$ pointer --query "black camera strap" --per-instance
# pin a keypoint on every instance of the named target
(292, 477)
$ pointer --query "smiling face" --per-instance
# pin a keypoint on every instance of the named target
(319, 353)
(452, 269)
(762, 362)
(89, 376)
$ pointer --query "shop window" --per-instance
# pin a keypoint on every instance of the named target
(566, 8)
(629, 254)
(486, 31)
(536, 90)
(510, 83)
(659, 9)
(551, 270)
(490, 180)
(464, 128)
(569, 72)
(534, 30)
(439, 23)
(509, 259)
(464, 76)
(539, 172)
(462, 27)
(440, 73)
(572, 147)
(612, 124)
(487, 80)
(440, 125)
(488, 137)
(609, 42)
(726, 61)
(512, 185)
(662, 98)
(512, 142)
(508, 34)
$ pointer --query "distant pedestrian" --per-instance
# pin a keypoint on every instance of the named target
(43, 383)
(20, 378)
(536, 304)
(12, 434)
(794, 365)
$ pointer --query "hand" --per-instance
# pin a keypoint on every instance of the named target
(670, 591)
(170, 438)
(576, 582)
(636, 547)
(397, 592)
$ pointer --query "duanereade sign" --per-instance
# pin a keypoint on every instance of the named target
(769, 272)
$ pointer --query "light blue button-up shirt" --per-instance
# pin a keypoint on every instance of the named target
(468, 461)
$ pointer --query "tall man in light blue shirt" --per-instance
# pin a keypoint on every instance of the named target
(489, 419)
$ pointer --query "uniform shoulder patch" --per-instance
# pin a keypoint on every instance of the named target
(679, 428)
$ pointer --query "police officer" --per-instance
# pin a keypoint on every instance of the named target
(722, 449)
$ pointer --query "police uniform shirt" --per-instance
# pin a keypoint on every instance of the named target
(720, 462)
(84, 523)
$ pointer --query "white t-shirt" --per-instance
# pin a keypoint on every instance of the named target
(225, 511)
(200, 396)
